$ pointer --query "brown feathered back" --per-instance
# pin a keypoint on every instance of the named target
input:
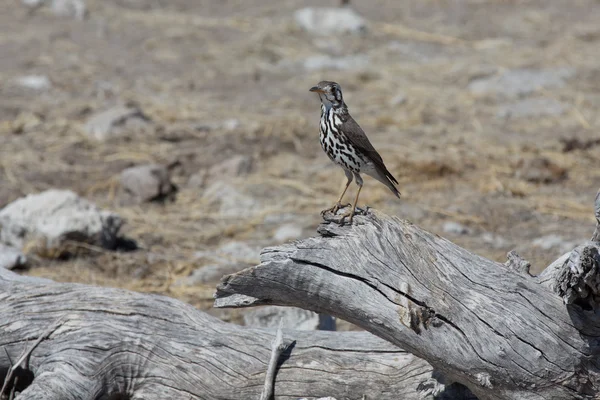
(360, 141)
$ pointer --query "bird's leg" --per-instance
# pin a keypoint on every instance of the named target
(350, 214)
(338, 205)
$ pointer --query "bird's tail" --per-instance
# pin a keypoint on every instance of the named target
(387, 179)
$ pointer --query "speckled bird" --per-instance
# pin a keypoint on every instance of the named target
(347, 145)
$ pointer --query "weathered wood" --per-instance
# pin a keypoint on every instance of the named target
(113, 342)
(277, 348)
(502, 334)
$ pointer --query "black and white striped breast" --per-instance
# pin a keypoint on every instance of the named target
(335, 144)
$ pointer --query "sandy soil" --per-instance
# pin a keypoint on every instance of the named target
(224, 78)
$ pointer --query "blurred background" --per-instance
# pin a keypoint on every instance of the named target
(191, 121)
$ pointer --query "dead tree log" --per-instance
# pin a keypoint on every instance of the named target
(492, 327)
(82, 342)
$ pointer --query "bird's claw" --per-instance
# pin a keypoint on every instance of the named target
(349, 215)
(336, 207)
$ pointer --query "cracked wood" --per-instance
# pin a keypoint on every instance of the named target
(502, 334)
(144, 346)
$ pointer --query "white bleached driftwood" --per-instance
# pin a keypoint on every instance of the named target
(489, 326)
(112, 343)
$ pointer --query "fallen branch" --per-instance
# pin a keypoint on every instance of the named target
(276, 349)
(118, 344)
(502, 334)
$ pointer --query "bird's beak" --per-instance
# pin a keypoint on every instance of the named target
(316, 89)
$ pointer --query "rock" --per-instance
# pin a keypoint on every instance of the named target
(149, 182)
(330, 21)
(540, 170)
(329, 45)
(34, 82)
(535, 107)
(287, 232)
(521, 81)
(238, 165)
(11, 258)
(398, 100)
(115, 121)
(417, 52)
(69, 8)
(234, 251)
(230, 124)
(227, 259)
(293, 318)
(197, 180)
(209, 274)
(239, 251)
(497, 242)
(456, 228)
(52, 217)
(279, 218)
(554, 241)
(331, 63)
(33, 3)
(230, 201)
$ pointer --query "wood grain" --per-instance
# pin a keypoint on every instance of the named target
(502, 334)
(114, 342)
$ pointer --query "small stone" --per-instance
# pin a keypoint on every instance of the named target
(33, 3)
(230, 201)
(149, 182)
(327, 21)
(34, 82)
(456, 228)
(287, 232)
(238, 165)
(209, 274)
(115, 121)
(497, 242)
(197, 180)
(52, 217)
(321, 62)
(239, 251)
(69, 8)
(554, 241)
(11, 258)
(279, 218)
(231, 124)
(540, 170)
(521, 81)
(535, 107)
(398, 100)
(234, 251)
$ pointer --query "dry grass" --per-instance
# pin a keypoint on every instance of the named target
(184, 67)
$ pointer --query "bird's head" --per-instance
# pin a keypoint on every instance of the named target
(330, 94)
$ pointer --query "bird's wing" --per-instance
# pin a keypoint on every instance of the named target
(359, 140)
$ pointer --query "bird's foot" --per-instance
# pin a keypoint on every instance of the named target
(343, 218)
(349, 215)
(334, 209)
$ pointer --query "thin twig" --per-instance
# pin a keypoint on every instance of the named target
(24, 359)
(276, 349)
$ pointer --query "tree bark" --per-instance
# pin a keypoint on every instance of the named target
(83, 342)
(492, 327)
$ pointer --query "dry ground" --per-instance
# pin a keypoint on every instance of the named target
(189, 64)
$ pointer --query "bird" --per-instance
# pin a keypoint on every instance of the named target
(347, 145)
